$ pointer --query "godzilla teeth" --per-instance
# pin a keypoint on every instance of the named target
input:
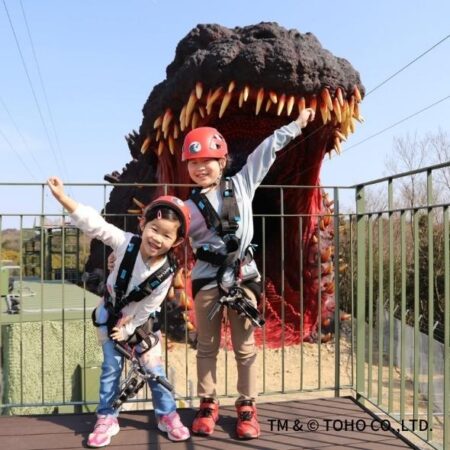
(146, 144)
(171, 144)
(246, 92)
(357, 94)
(183, 118)
(157, 123)
(290, 105)
(338, 109)
(339, 96)
(324, 112)
(190, 108)
(138, 203)
(160, 148)
(340, 136)
(171, 294)
(178, 281)
(198, 90)
(326, 98)
(168, 116)
(225, 102)
(273, 97)
(212, 99)
(337, 145)
(241, 99)
(259, 99)
(281, 104)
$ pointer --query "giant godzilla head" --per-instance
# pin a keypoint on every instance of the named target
(247, 82)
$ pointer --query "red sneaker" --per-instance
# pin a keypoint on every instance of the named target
(206, 417)
(247, 426)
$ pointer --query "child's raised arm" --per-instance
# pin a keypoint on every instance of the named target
(86, 218)
(260, 160)
(57, 188)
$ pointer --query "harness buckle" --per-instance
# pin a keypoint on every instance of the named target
(231, 243)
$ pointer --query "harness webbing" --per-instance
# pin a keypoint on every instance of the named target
(147, 286)
(224, 225)
(228, 222)
(114, 306)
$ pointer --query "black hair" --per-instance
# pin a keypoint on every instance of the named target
(165, 212)
(228, 169)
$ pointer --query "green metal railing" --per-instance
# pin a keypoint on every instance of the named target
(391, 274)
(402, 308)
(46, 318)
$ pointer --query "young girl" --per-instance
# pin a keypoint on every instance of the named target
(164, 225)
(221, 233)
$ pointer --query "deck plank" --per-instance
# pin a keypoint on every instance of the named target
(138, 429)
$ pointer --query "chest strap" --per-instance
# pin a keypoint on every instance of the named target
(114, 306)
(224, 225)
(147, 286)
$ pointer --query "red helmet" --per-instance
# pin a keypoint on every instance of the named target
(177, 205)
(204, 142)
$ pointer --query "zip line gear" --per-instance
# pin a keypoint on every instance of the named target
(237, 299)
(229, 272)
(135, 379)
(114, 306)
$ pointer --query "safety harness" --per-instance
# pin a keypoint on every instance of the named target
(225, 226)
(144, 332)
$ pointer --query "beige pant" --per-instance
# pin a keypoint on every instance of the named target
(209, 334)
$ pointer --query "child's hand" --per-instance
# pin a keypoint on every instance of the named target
(56, 187)
(111, 261)
(118, 334)
(307, 115)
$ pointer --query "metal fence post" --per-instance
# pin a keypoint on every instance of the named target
(360, 290)
(337, 312)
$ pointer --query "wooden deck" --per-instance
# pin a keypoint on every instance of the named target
(280, 423)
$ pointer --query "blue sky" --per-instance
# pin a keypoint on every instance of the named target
(99, 60)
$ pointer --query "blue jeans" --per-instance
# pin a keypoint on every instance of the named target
(163, 401)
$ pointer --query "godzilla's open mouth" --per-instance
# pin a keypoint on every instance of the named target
(247, 82)
(245, 116)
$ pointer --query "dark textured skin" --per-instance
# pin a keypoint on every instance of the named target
(268, 56)
(264, 55)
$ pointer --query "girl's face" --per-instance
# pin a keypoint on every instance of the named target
(158, 237)
(206, 171)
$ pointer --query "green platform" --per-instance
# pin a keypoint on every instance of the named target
(49, 300)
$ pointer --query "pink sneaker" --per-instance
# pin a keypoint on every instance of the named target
(171, 424)
(105, 428)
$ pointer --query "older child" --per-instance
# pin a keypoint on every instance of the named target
(164, 225)
(221, 234)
